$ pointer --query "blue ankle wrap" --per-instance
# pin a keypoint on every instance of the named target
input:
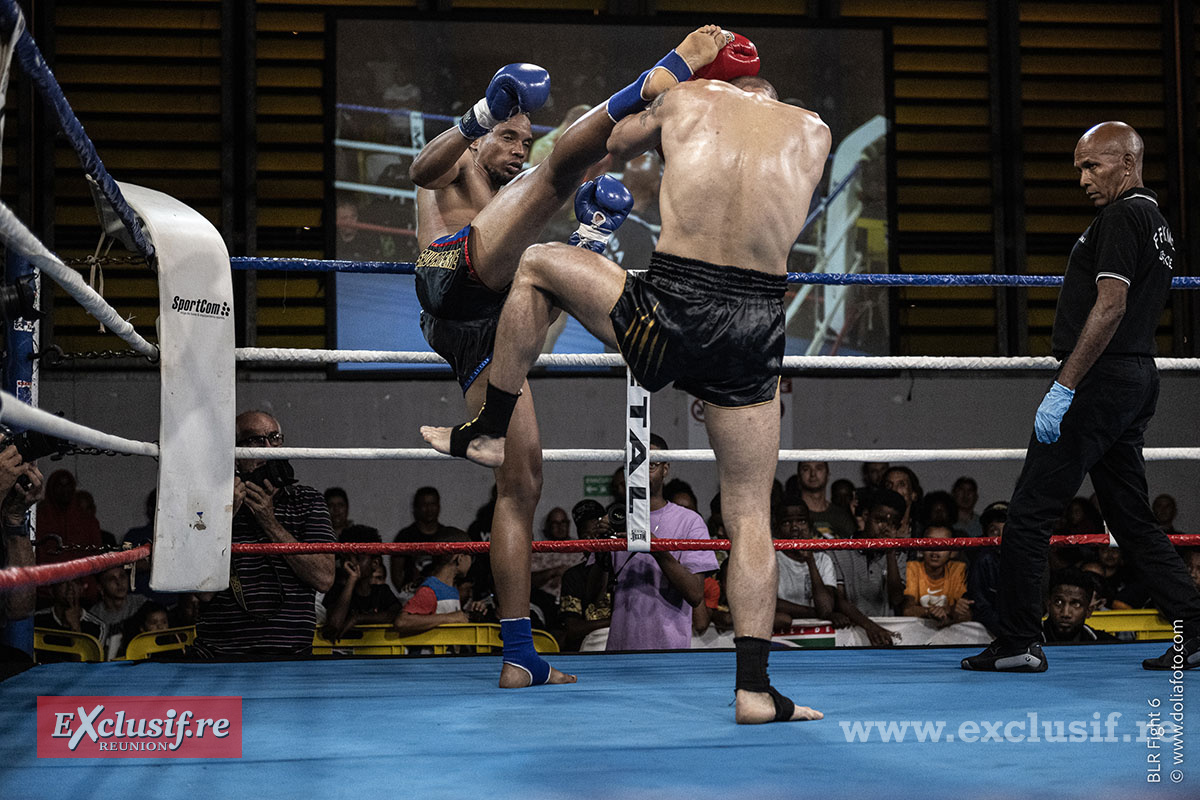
(518, 649)
(630, 101)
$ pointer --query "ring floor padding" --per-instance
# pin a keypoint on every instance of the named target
(654, 725)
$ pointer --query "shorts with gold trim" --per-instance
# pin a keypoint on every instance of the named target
(459, 313)
(716, 331)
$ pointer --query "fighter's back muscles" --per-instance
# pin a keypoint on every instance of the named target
(730, 155)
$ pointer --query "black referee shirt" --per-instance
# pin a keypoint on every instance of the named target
(1128, 240)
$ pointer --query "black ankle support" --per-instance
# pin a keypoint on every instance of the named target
(492, 420)
(752, 673)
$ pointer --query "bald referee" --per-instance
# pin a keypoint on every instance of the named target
(1092, 420)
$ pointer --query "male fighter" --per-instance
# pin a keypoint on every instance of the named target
(464, 274)
(708, 315)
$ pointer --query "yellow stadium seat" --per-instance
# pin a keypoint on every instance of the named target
(1146, 624)
(145, 644)
(84, 646)
(383, 640)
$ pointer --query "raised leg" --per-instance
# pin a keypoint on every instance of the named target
(746, 443)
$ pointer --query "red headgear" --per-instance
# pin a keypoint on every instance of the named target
(738, 58)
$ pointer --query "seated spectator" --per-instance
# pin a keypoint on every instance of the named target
(116, 605)
(1192, 561)
(872, 474)
(807, 578)
(1121, 585)
(656, 592)
(150, 617)
(547, 569)
(425, 527)
(680, 493)
(1164, 512)
(354, 599)
(966, 495)
(828, 521)
(935, 586)
(1069, 605)
(983, 576)
(591, 520)
(338, 503)
(903, 481)
(437, 600)
(871, 582)
(20, 486)
(939, 508)
(66, 612)
(185, 611)
(841, 494)
(61, 521)
(269, 608)
(586, 601)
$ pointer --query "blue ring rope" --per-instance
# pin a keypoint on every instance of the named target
(32, 61)
(819, 278)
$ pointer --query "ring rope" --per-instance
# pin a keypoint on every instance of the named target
(21, 415)
(678, 456)
(618, 545)
(15, 233)
(23, 577)
(35, 67)
(286, 355)
(820, 278)
(406, 111)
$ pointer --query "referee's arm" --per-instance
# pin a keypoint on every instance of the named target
(1098, 330)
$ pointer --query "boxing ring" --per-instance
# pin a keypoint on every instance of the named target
(900, 721)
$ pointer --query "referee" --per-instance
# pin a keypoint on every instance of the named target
(1093, 418)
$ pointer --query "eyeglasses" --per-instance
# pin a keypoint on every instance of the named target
(271, 439)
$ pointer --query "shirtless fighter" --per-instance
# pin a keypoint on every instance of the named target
(463, 275)
(708, 315)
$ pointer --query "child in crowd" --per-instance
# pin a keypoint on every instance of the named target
(936, 584)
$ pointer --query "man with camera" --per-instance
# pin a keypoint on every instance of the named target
(269, 607)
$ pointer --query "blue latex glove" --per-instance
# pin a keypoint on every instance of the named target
(1050, 413)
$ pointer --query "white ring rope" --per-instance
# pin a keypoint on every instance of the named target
(599, 455)
(21, 238)
(18, 414)
(286, 355)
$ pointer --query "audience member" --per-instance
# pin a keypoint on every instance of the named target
(354, 599)
(616, 486)
(680, 493)
(116, 605)
(591, 520)
(841, 494)
(873, 580)
(936, 586)
(807, 578)
(61, 522)
(425, 527)
(186, 610)
(872, 474)
(966, 495)
(150, 617)
(1164, 512)
(940, 509)
(1069, 605)
(903, 481)
(983, 576)
(1192, 561)
(66, 612)
(437, 601)
(547, 569)
(585, 604)
(338, 503)
(86, 502)
(270, 605)
(656, 592)
(16, 549)
(828, 521)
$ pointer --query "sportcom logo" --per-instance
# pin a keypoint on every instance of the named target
(139, 727)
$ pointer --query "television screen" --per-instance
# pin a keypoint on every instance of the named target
(401, 82)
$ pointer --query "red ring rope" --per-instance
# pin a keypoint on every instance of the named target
(21, 577)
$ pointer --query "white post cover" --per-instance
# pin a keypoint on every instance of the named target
(637, 466)
(194, 513)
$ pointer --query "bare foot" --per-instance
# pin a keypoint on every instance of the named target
(698, 49)
(485, 450)
(754, 708)
(512, 677)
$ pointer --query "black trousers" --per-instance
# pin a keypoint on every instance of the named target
(1101, 435)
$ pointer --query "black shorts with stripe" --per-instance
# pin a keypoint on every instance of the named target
(459, 313)
(716, 331)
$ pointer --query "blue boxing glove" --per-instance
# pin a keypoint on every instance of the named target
(600, 206)
(515, 89)
(1050, 413)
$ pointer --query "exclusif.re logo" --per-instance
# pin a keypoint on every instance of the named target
(200, 306)
(139, 727)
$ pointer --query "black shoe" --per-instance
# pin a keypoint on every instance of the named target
(1183, 656)
(999, 657)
